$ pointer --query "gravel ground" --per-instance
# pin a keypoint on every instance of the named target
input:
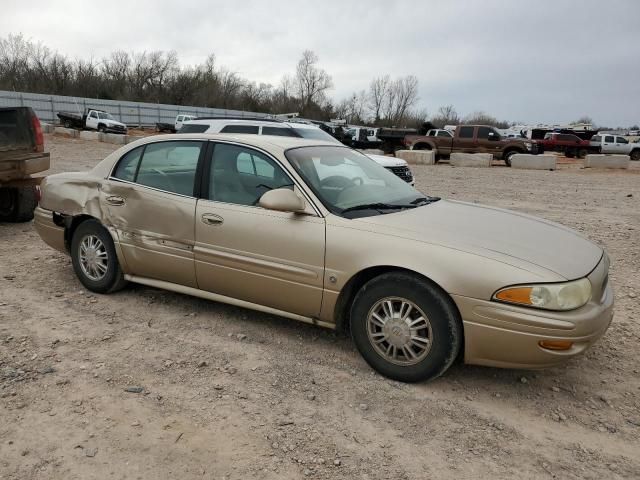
(150, 384)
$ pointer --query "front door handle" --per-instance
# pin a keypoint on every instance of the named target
(115, 200)
(212, 219)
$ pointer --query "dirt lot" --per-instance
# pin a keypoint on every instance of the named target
(230, 393)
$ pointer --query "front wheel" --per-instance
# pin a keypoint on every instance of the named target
(507, 157)
(405, 327)
(102, 128)
(94, 258)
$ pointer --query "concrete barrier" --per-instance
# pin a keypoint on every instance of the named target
(113, 138)
(533, 162)
(417, 157)
(66, 132)
(471, 159)
(606, 161)
(47, 128)
(90, 136)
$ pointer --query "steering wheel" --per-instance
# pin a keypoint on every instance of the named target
(337, 181)
(166, 177)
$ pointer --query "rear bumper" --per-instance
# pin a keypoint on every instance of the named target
(501, 335)
(51, 234)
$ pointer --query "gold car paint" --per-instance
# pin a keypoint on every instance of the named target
(286, 274)
(237, 258)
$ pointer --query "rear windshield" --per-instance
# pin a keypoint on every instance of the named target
(193, 128)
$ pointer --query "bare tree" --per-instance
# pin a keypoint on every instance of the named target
(312, 81)
(446, 115)
(377, 95)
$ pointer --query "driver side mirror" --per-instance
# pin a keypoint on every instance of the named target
(282, 200)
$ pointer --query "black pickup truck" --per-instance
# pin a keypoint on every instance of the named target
(22, 155)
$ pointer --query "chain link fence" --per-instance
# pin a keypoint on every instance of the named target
(134, 114)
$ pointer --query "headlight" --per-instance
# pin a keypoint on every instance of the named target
(552, 296)
(528, 145)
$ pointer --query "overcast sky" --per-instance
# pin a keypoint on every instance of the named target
(530, 61)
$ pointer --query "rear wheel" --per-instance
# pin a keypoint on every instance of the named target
(94, 258)
(569, 154)
(67, 124)
(582, 153)
(405, 327)
(635, 154)
(17, 204)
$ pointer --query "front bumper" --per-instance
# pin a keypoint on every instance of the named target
(500, 335)
(51, 234)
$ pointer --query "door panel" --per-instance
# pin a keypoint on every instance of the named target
(155, 230)
(270, 258)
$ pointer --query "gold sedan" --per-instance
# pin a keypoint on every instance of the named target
(322, 234)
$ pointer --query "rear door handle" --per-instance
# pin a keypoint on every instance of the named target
(115, 200)
(212, 219)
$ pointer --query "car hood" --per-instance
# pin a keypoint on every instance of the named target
(504, 235)
(387, 161)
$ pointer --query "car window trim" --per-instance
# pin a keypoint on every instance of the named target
(206, 176)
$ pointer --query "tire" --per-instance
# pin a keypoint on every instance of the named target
(507, 156)
(582, 153)
(635, 154)
(102, 129)
(17, 204)
(93, 235)
(569, 154)
(67, 124)
(442, 326)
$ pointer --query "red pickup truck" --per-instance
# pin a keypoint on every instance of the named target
(570, 145)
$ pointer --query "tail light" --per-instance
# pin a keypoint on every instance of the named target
(37, 128)
(38, 193)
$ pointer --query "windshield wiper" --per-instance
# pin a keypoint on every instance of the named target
(377, 206)
(424, 200)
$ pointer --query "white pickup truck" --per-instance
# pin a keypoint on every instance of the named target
(92, 119)
(609, 143)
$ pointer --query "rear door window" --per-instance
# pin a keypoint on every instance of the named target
(608, 138)
(466, 132)
(170, 166)
(128, 165)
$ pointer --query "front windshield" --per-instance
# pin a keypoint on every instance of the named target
(314, 134)
(350, 184)
(105, 116)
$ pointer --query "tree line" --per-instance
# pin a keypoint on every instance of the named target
(158, 77)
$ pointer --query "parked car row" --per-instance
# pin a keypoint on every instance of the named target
(293, 128)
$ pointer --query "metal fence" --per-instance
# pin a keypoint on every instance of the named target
(132, 113)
